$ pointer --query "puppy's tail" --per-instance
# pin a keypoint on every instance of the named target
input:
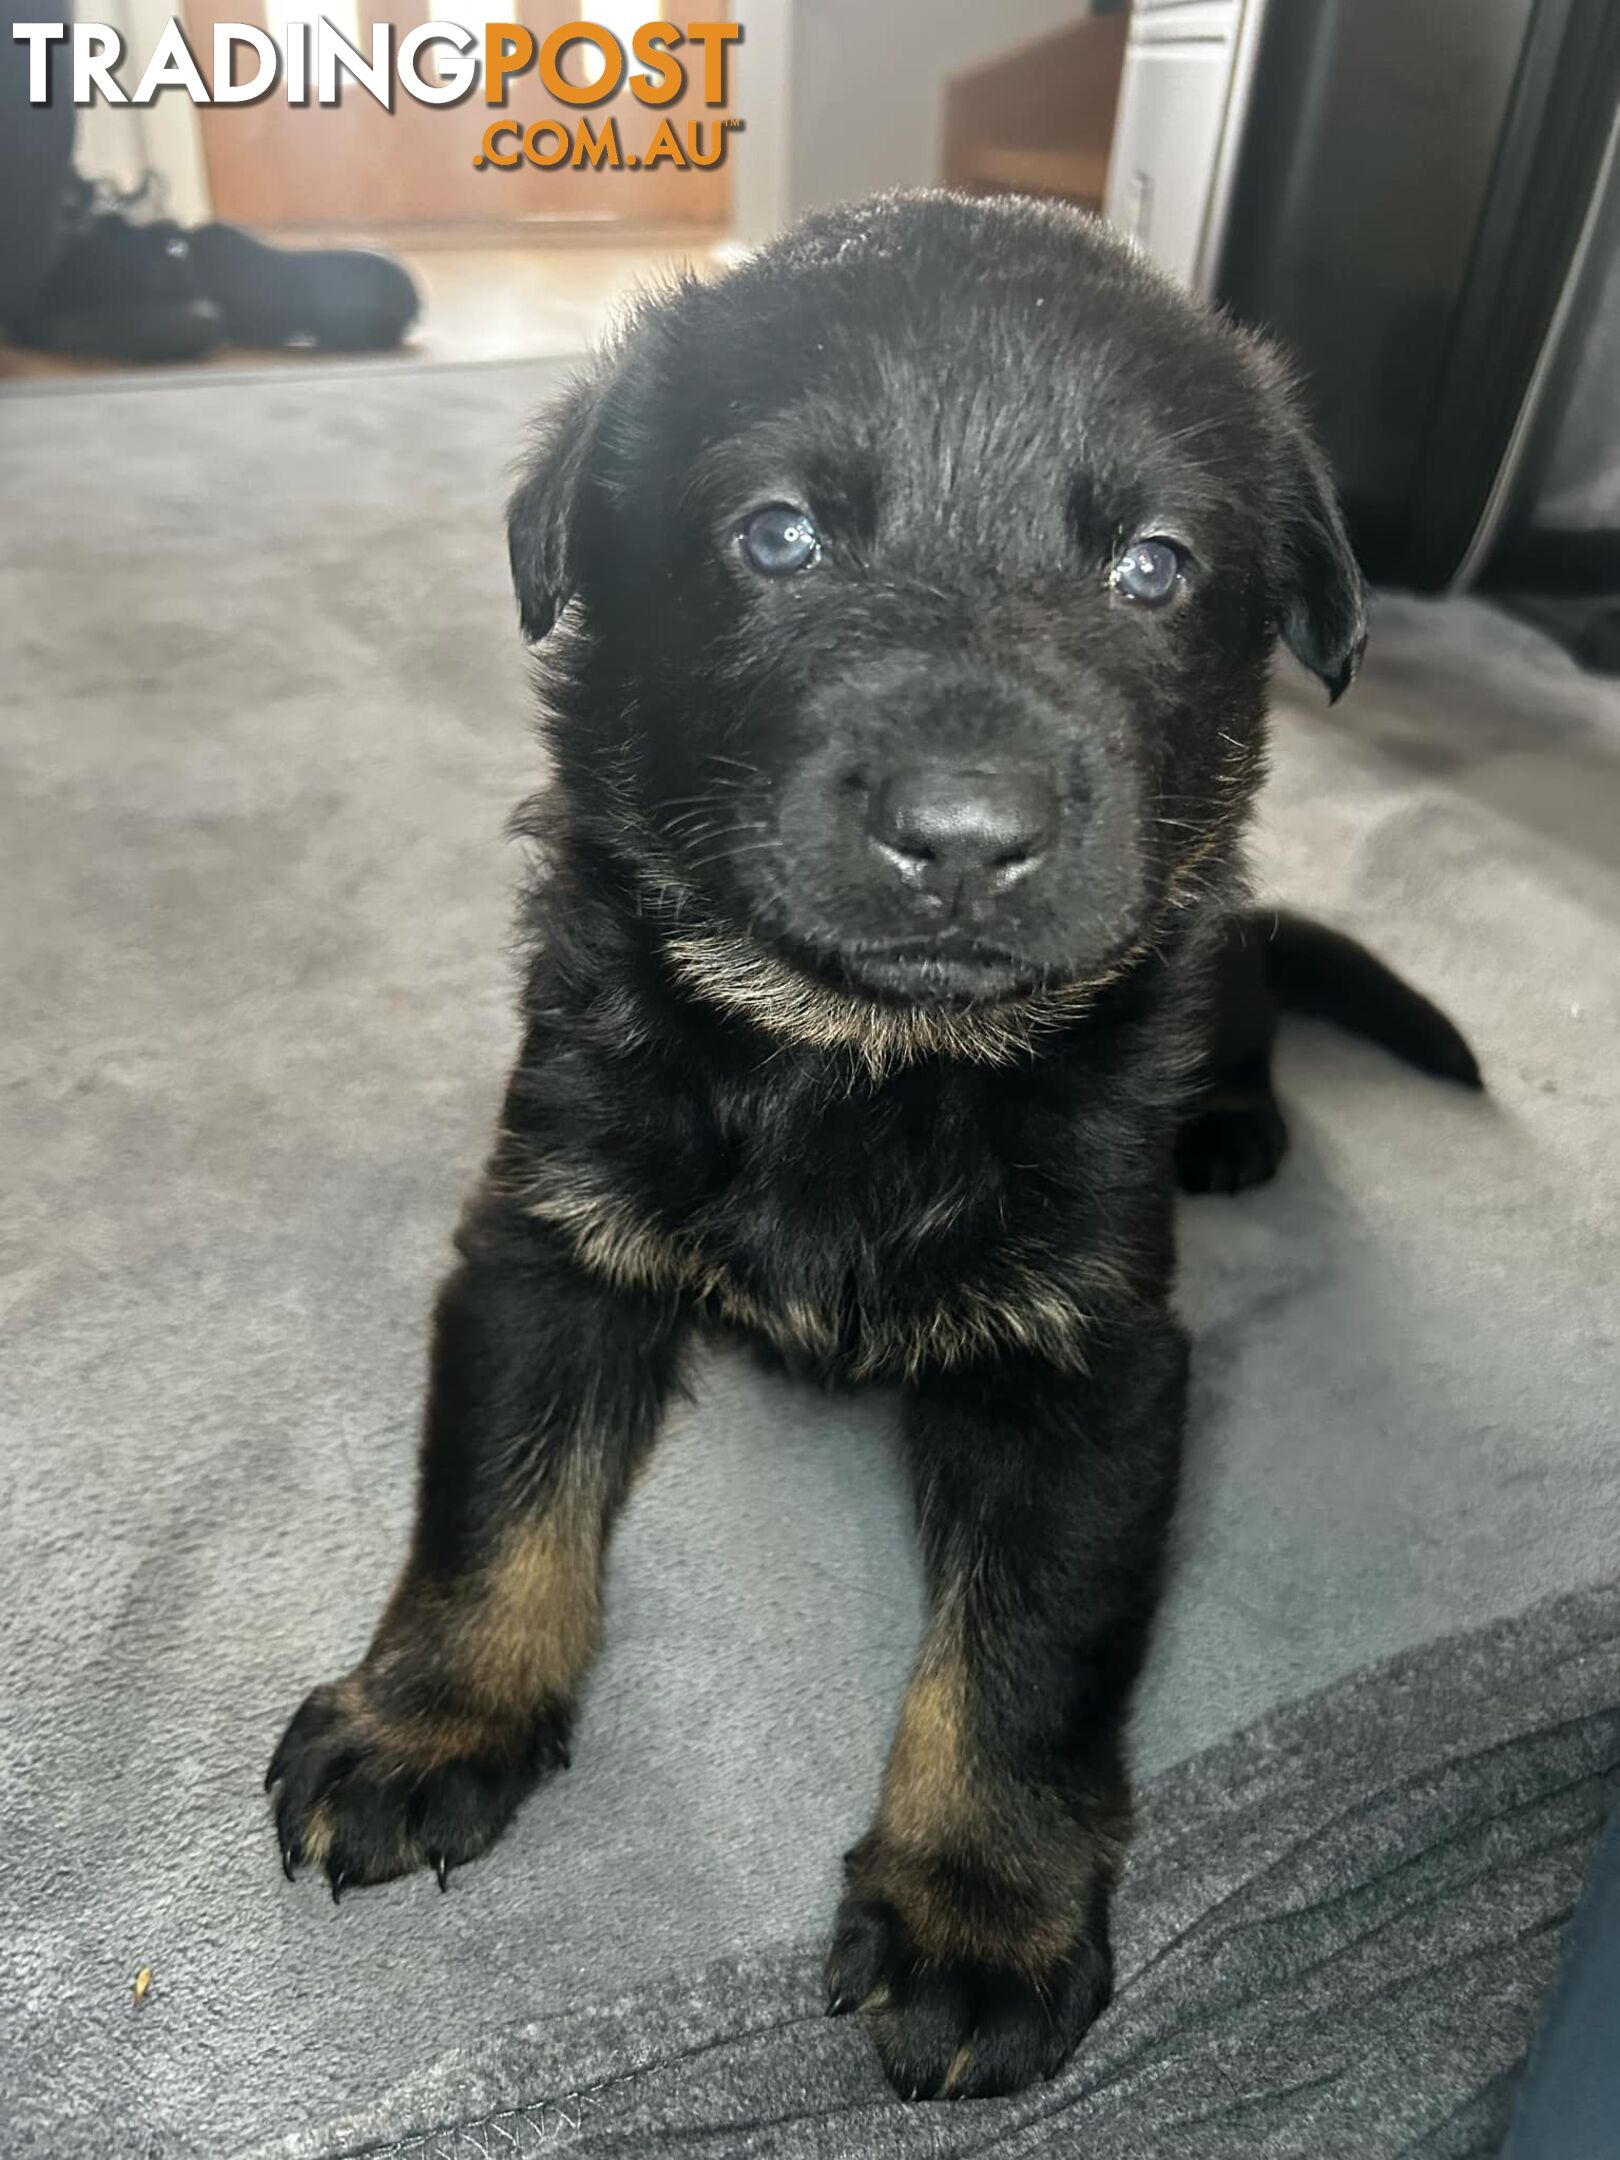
(1312, 969)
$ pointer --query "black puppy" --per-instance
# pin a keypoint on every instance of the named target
(925, 576)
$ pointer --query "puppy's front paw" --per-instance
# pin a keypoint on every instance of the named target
(1231, 1144)
(1007, 2002)
(368, 1787)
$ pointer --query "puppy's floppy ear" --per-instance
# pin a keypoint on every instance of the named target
(540, 518)
(1321, 595)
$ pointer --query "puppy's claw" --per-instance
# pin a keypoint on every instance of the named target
(289, 1862)
(441, 1868)
(840, 2002)
(340, 1882)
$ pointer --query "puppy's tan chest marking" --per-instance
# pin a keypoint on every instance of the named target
(1012, 1296)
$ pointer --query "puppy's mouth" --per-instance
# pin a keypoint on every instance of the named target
(952, 969)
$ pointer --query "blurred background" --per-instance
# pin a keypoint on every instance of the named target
(1421, 198)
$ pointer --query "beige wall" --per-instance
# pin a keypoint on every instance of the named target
(867, 82)
(758, 157)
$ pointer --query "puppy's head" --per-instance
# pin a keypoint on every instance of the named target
(922, 579)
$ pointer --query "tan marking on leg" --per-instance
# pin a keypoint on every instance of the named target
(977, 1868)
(928, 1801)
(528, 1632)
(462, 1670)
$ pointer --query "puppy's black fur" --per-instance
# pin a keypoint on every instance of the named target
(872, 994)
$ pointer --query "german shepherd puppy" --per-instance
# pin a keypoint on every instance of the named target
(921, 579)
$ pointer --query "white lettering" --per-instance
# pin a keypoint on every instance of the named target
(228, 37)
(334, 51)
(454, 74)
(37, 36)
(97, 50)
(172, 67)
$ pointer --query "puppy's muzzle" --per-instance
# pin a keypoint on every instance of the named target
(959, 838)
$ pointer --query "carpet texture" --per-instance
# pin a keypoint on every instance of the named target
(263, 715)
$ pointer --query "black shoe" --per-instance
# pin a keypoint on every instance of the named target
(121, 286)
(334, 299)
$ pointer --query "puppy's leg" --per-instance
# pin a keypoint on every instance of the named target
(974, 1929)
(546, 1389)
(1234, 1136)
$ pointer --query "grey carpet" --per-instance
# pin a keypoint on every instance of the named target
(262, 719)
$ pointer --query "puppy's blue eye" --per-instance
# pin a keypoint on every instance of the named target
(1149, 571)
(780, 541)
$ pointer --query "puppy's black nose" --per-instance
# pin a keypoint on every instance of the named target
(953, 833)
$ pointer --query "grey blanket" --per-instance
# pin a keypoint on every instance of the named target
(261, 718)
(1335, 1934)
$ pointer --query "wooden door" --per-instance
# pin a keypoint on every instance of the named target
(355, 165)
